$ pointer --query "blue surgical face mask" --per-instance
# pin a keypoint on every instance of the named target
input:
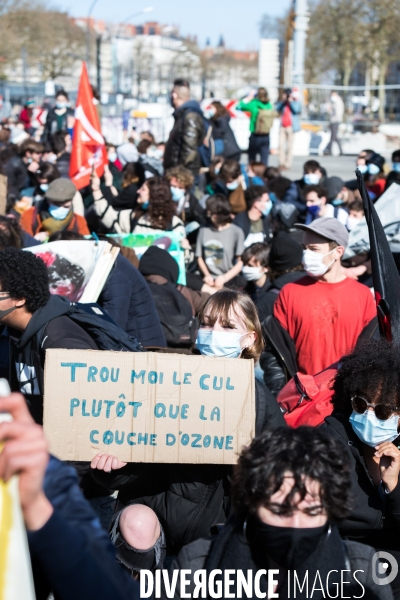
(267, 209)
(337, 202)
(59, 212)
(177, 193)
(362, 168)
(62, 104)
(233, 185)
(314, 209)
(44, 187)
(145, 205)
(112, 157)
(219, 343)
(217, 170)
(311, 178)
(373, 169)
(372, 431)
(396, 167)
(273, 197)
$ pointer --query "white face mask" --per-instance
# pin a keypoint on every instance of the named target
(312, 262)
(352, 223)
(252, 273)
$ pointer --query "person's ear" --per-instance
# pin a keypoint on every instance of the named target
(250, 341)
(20, 303)
(340, 250)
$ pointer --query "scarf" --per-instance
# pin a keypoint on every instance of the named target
(50, 224)
(232, 550)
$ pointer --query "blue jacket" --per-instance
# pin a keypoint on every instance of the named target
(295, 108)
(72, 554)
(127, 299)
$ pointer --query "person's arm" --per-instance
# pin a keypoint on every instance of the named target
(235, 270)
(83, 228)
(114, 220)
(193, 134)
(26, 221)
(280, 310)
(71, 560)
(247, 104)
(77, 204)
(207, 277)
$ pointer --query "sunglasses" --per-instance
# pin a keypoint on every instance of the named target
(382, 411)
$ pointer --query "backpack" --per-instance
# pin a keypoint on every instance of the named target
(175, 312)
(264, 121)
(207, 149)
(106, 334)
(306, 399)
(98, 325)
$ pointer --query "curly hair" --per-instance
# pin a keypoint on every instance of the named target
(371, 370)
(24, 276)
(162, 207)
(183, 175)
(306, 453)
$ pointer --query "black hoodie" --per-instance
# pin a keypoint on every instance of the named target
(28, 352)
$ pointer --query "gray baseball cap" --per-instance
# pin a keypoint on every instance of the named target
(329, 228)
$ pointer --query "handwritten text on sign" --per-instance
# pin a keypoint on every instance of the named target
(148, 407)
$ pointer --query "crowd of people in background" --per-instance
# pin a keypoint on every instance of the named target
(265, 281)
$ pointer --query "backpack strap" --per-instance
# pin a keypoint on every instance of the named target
(39, 339)
(335, 211)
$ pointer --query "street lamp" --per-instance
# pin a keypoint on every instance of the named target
(88, 32)
(137, 14)
(144, 10)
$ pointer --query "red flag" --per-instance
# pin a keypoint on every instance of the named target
(88, 146)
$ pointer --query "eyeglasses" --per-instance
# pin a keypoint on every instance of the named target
(6, 297)
(382, 411)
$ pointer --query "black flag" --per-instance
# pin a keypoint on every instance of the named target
(384, 271)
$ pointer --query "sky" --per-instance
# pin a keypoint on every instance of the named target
(236, 20)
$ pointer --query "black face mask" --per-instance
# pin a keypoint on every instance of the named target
(4, 313)
(289, 547)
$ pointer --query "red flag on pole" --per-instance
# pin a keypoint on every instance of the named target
(88, 146)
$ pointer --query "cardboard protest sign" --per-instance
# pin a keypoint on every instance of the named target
(148, 407)
(165, 240)
(78, 269)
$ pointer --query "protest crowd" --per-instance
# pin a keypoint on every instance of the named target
(212, 257)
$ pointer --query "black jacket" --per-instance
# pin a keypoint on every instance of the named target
(188, 499)
(28, 352)
(278, 360)
(265, 300)
(195, 556)
(221, 130)
(62, 164)
(186, 137)
(242, 220)
(375, 519)
(18, 176)
(51, 125)
(70, 551)
(126, 297)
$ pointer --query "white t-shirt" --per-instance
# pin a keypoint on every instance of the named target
(341, 216)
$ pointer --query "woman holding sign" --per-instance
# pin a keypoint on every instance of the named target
(186, 500)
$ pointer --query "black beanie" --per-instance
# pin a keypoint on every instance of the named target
(156, 261)
(285, 253)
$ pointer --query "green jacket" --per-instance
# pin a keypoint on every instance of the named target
(253, 108)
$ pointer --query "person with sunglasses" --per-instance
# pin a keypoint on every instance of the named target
(366, 419)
